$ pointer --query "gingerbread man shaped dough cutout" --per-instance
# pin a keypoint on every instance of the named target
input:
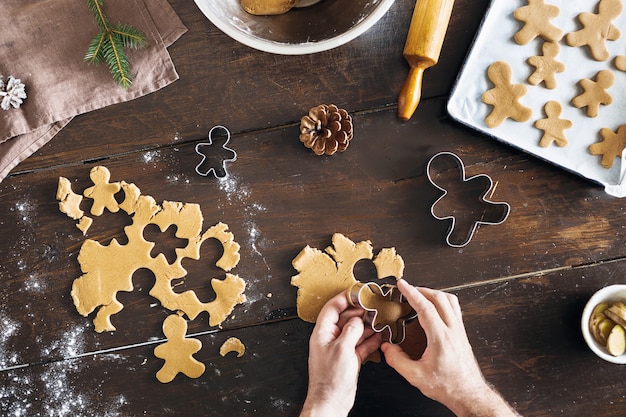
(102, 193)
(546, 66)
(595, 93)
(553, 126)
(536, 18)
(504, 96)
(178, 351)
(611, 146)
(597, 28)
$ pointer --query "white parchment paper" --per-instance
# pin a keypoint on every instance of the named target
(495, 43)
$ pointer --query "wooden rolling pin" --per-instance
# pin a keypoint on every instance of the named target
(423, 45)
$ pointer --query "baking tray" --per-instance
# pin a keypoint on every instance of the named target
(494, 42)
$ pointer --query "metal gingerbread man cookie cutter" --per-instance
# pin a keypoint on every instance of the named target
(490, 213)
(217, 159)
(386, 309)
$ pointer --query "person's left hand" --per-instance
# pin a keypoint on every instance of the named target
(337, 348)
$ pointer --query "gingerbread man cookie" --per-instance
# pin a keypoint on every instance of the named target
(611, 147)
(536, 17)
(546, 66)
(597, 28)
(553, 126)
(177, 351)
(620, 62)
(595, 93)
(504, 96)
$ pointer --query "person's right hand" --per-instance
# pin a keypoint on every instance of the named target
(447, 371)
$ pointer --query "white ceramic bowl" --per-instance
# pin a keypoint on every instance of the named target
(303, 30)
(610, 294)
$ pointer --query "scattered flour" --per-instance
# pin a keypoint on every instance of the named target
(59, 391)
(177, 179)
(9, 329)
(25, 210)
(71, 344)
(150, 157)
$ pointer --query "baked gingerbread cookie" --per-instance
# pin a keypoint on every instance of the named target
(597, 29)
(611, 147)
(546, 66)
(553, 126)
(594, 92)
(504, 97)
(620, 62)
(536, 17)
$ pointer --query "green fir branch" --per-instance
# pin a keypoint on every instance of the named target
(109, 45)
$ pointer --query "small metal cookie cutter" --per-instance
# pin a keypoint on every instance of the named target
(497, 218)
(390, 321)
(217, 161)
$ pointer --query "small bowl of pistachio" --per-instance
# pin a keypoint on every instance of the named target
(294, 27)
(603, 323)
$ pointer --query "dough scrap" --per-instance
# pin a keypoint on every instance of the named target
(536, 17)
(321, 275)
(611, 147)
(69, 201)
(84, 224)
(178, 351)
(232, 344)
(504, 96)
(546, 66)
(597, 28)
(595, 92)
(553, 126)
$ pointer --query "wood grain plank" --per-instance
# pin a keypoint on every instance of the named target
(375, 191)
(525, 333)
(217, 76)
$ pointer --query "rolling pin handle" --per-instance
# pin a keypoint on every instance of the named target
(411, 93)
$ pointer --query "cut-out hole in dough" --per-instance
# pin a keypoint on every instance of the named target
(164, 242)
(109, 226)
(365, 271)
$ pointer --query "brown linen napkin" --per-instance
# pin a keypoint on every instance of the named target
(43, 42)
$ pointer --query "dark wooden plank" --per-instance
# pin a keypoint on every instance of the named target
(525, 333)
(217, 76)
(375, 191)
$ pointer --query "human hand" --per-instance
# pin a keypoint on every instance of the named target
(338, 346)
(447, 371)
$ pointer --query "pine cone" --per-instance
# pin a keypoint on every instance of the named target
(326, 130)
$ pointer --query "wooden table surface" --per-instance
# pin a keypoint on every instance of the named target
(522, 285)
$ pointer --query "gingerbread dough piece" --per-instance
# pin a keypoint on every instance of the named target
(322, 275)
(232, 344)
(387, 311)
(620, 62)
(504, 96)
(109, 269)
(536, 17)
(611, 146)
(553, 126)
(597, 28)
(84, 224)
(102, 193)
(595, 93)
(178, 351)
(69, 201)
(546, 66)
(389, 264)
